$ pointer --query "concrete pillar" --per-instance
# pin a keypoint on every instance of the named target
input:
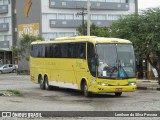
(4, 57)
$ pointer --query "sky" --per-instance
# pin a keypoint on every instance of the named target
(143, 4)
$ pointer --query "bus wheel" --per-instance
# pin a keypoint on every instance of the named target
(118, 94)
(47, 86)
(41, 83)
(85, 90)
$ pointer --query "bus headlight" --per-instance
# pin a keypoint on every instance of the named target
(103, 84)
(132, 83)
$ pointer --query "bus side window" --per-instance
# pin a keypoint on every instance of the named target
(71, 50)
(47, 47)
(41, 51)
(64, 50)
(74, 52)
(35, 50)
(50, 51)
(81, 50)
(31, 51)
(57, 52)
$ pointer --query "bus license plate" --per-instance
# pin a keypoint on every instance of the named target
(118, 89)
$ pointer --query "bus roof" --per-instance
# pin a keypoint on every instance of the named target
(93, 39)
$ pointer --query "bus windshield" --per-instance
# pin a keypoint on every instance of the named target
(116, 61)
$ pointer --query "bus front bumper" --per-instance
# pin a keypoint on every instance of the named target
(105, 89)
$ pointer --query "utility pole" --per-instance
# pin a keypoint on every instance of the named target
(136, 7)
(82, 13)
(89, 18)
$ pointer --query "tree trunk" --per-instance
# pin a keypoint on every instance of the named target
(155, 66)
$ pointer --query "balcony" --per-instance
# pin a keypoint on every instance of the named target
(63, 4)
(77, 23)
(3, 9)
(4, 45)
(4, 27)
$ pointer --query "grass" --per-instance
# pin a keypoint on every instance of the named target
(14, 92)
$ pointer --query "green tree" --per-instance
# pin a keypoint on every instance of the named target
(23, 51)
(95, 30)
(144, 31)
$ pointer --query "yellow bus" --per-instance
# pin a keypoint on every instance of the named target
(87, 63)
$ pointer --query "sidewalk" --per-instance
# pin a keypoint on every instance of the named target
(148, 85)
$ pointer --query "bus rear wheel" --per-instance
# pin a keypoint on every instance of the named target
(118, 94)
(85, 90)
(47, 86)
(41, 83)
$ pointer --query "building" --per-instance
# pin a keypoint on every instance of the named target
(8, 34)
(59, 18)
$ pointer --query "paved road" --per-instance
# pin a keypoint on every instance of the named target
(35, 99)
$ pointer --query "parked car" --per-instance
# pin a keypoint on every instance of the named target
(7, 68)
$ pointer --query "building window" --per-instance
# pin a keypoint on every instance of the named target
(79, 17)
(5, 37)
(131, 1)
(127, 6)
(1, 2)
(1, 37)
(63, 3)
(98, 0)
(52, 3)
(49, 36)
(1, 20)
(98, 4)
(113, 17)
(49, 16)
(119, 5)
(4, 26)
(4, 2)
(66, 16)
(98, 17)
(64, 22)
(53, 22)
(116, 1)
(65, 34)
(8, 37)
(4, 7)
(5, 20)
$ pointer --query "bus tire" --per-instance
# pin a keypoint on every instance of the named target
(41, 83)
(47, 86)
(85, 90)
(118, 94)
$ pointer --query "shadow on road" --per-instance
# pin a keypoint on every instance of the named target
(71, 92)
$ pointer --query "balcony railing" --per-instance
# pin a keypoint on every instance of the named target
(4, 27)
(77, 23)
(4, 45)
(3, 9)
(62, 4)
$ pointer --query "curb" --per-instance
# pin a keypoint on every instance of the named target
(148, 88)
